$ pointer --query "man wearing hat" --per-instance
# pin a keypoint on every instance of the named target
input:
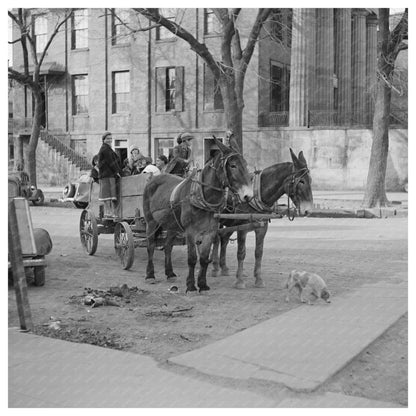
(108, 170)
(181, 155)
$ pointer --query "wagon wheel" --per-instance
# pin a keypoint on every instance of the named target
(39, 274)
(88, 231)
(124, 244)
(40, 198)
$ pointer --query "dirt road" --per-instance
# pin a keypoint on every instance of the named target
(151, 320)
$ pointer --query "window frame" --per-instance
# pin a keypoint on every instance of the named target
(169, 36)
(169, 147)
(283, 102)
(115, 93)
(122, 38)
(41, 35)
(76, 31)
(215, 95)
(74, 94)
(211, 20)
(161, 89)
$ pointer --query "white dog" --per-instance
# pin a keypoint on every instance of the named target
(308, 284)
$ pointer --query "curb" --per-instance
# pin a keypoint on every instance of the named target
(367, 213)
(359, 213)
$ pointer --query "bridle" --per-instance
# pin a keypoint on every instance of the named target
(294, 178)
(197, 197)
(225, 182)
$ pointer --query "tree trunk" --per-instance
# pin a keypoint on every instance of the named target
(375, 194)
(34, 138)
(232, 109)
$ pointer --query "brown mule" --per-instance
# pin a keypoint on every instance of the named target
(288, 178)
(188, 206)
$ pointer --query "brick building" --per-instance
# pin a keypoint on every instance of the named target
(308, 86)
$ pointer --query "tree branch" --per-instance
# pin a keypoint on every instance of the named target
(21, 78)
(54, 33)
(200, 48)
(262, 15)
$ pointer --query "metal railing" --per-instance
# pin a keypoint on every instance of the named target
(276, 119)
(64, 150)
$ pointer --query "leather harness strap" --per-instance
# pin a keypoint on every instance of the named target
(256, 202)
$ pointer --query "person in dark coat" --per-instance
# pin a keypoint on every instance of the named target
(109, 169)
(181, 156)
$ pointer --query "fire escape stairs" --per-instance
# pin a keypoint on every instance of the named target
(70, 154)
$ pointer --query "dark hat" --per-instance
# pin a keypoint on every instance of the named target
(107, 133)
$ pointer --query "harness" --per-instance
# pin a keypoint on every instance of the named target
(256, 202)
(293, 184)
(197, 198)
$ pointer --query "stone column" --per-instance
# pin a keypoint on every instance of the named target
(311, 63)
(299, 77)
(324, 100)
(359, 51)
(371, 57)
(343, 65)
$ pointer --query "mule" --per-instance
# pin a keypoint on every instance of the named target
(188, 206)
(288, 178)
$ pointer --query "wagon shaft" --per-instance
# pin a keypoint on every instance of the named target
(243, 227)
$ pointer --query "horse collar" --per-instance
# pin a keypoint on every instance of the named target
(256, 202)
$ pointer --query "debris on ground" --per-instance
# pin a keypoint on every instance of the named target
(115, 296)
(176, 311)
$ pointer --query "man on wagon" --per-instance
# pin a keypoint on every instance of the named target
(181, 156)
(109, 169)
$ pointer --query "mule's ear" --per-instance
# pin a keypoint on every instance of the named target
(294, 158)
(223, 148)
(234, 145)
(302, 159)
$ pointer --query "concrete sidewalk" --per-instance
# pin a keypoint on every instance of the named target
(304, 347)
(299, 349)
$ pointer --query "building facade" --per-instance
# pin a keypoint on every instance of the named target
(308, 86)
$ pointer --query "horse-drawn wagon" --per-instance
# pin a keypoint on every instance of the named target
(169, 211)
(128, 226)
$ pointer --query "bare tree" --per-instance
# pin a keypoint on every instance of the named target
(29, 76)
(230, 68)
(390, 45)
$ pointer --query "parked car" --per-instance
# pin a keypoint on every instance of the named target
(19, 185)
(79, 192)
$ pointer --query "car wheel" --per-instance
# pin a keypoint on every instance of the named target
(39, 198)
(81, 205)
(39, 273)
(69, 191)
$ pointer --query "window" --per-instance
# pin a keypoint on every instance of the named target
(279, 88)
(277, 26)
(121, 92)
(164, 147)
(120, 33)
(211, 23)
(161, 32)
(40, 31)
(212, 92)
(79, 29)
(80, 94)
(169, 89)
(282, 26)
